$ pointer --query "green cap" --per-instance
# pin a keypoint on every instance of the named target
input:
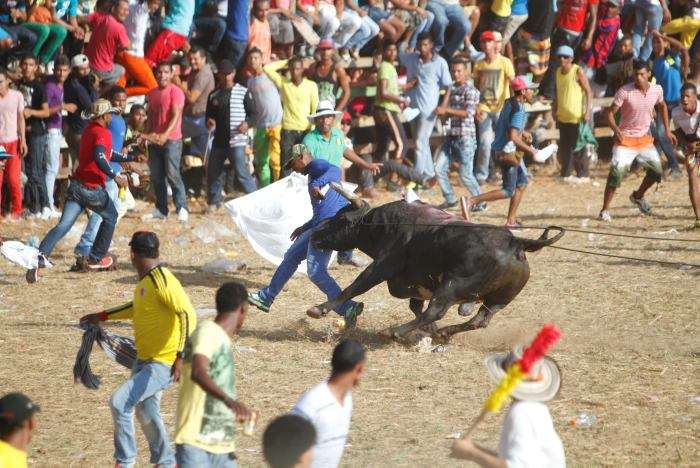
(297, 151)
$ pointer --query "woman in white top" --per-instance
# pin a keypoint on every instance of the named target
(528, 438)
(138, 79)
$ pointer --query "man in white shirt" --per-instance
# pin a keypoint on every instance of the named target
(528, 438)
(328, 405)
(686, 118)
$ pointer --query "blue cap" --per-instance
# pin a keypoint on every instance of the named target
(565, 51)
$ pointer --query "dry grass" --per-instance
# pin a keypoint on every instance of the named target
(629, 353)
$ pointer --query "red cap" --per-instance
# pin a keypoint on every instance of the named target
(518, 84)
(487, 36)
(326, 44)
(346, 116)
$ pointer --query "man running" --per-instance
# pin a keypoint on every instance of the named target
(686, 118)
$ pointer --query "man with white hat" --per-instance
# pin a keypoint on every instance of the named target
(528, 438)
(87, 190)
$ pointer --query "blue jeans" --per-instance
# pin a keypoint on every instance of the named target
(423, 128)
(193, 127)
(141, 392)
(452, 16)
(422, 27)
(513, 177)
(210, 31)
(53, 163)
(459, 149)
(93, 225)
(233, 50)
(78, 198)
(662, 143)
(368, 29)
(316, 267)
(35, 197)
(486, 136)
(164, 163)
(215, 171)
(189, 456)
(647, 18)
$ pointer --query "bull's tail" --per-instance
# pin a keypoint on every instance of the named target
(533, 245)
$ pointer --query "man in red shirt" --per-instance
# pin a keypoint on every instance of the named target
(87, 190)
(571, 22)
(108, 38)
(165, 105)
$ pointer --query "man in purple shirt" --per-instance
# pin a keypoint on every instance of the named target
(54, 125)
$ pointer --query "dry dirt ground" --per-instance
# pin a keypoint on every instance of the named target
(629, 353)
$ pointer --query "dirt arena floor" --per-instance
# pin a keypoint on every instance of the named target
(629, 354)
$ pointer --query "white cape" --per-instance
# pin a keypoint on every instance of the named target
(21, 254)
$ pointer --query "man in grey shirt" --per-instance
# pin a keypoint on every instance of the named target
(199, 84)
(428, 73)
(265, 115)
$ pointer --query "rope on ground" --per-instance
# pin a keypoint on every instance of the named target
(623, 257)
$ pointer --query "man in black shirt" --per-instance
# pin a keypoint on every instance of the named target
(36, 110)
(79, 90)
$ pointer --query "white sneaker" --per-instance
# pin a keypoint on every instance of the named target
(155, 214)
(605, 216)
(183, 215)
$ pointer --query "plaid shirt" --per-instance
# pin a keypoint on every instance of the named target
(465, 97)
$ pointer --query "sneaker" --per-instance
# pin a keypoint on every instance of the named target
(105, 263)
(256, 299)
(183, 215)
(479, 207)
(351, 315)
(32, 275)
(353, 261)
(45, 213)
(154, 215)
(641, 203)
(675, 173)
(605, 216)
(447, 205)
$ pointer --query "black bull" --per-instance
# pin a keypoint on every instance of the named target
(424, 254)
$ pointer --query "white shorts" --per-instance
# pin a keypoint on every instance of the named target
(624, 156)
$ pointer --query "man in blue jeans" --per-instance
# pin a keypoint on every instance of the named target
(448, 13)
(226, 115)
(507, 144)
(321, 173)
(87, 190)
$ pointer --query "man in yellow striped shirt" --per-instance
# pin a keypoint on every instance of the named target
(163, 319)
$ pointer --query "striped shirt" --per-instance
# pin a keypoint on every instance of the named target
(237, 115)
(637, 108)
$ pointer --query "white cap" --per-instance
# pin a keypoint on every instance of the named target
(80, 60)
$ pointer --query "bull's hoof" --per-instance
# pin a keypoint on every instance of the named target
(316, 312)
(387, 334)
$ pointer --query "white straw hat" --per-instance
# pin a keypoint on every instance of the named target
(544, 381)
(324, 108)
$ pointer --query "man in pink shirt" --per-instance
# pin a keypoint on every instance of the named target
(12, 138)
(165, 105)
(636, 102)
(108, 38)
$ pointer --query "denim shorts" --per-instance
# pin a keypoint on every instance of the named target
(377, 14)
(513, 177)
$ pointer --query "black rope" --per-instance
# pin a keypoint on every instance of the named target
(623, 257)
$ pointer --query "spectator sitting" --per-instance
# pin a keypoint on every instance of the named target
(176, 28)
(50, 34)
(281, 16)
(138, 77)
(210, 25)
(107, 39)
(448, 13)
(13, 15)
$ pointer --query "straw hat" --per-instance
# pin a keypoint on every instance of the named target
(99, 108)
(545, 377)
(324, 108)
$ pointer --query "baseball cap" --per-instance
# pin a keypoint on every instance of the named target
(80, 60)
(297, 151)
(226, 67)
(326, 44)
(565, 51)
(487, 36)
(522, 82)
(15, 409)
(497, 36)
(345, 118)
(144, 242)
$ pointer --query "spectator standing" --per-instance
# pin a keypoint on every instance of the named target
(430, 75)
(686, 118)
(107, 39)
(321, 173)
(36, 111)
(87, 190)
(572, 108)
(388, 126)
(163, 319)
(175, 29)
(50, 34)
(226, 114)
(448, 14)
(491, 76)
(509, 147)
(328, 405)
(235, 41)
(199, 84)
(604, 37)
(165, 106)
(54, 125)
(264, 109)
(330, 76)
(80, 90)
(288, 441)
(671, 62)
(205, 427)
(299, 100)
(460, 142)
(648, 16)
(260, 35)
(138, 77)
(571, 22)
(13, 139)
(281, 17)
(636, 102)
(17, 425)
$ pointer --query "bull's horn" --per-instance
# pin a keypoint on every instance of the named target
(352, 198)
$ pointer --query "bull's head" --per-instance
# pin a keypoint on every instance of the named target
(341, 231)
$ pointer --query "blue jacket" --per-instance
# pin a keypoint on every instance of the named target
(322, 173)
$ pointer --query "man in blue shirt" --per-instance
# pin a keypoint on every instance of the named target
(670, 63)
(506, 145)
(235, 43)
(325, 206)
